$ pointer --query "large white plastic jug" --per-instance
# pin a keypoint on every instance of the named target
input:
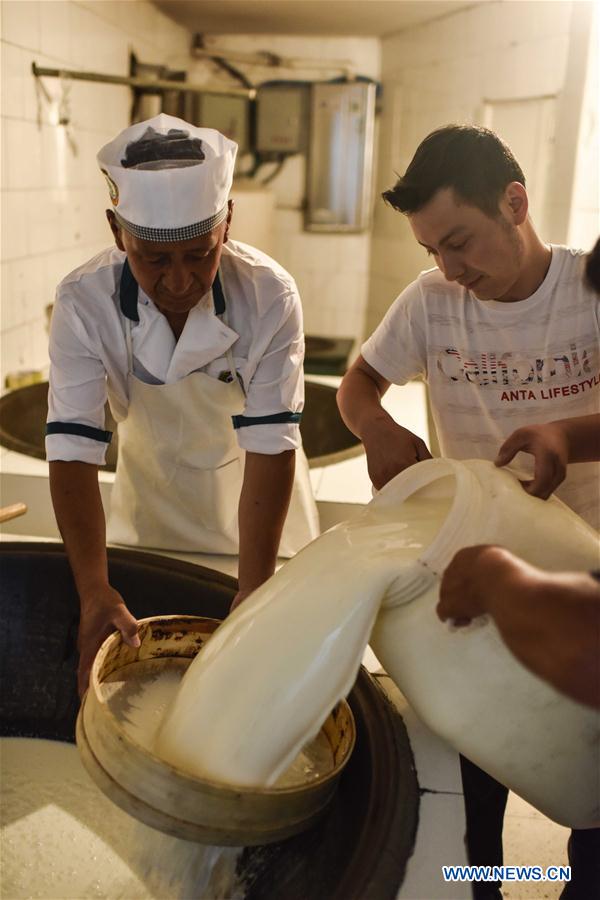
(464, 683)
(269, 677)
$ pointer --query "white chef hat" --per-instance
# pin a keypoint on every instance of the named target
(167, 179)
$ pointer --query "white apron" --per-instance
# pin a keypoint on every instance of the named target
(180, 469)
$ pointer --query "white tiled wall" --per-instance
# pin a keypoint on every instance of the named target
(584, 221)
(332, 271)
(444, 72)
(53, 197)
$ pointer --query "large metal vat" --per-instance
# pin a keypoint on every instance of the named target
(325, 437)
(360, 847)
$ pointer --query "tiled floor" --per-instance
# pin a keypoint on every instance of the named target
(532, 839)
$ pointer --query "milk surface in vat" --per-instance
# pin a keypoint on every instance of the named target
(62, 838)
(269, 676)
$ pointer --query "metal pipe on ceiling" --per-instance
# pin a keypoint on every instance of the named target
(200, 50)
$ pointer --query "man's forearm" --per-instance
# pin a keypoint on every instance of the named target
(264, 502)
(80, 517)
(359, 401)
(390, 448)
(551, 622)
(583, 437)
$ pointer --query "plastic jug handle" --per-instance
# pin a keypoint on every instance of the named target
(412, 581)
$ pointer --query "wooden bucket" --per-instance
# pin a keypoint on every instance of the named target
(174, 801)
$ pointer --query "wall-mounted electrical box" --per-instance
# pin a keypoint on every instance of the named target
(282, 118)
(340, 161)
(227, 113)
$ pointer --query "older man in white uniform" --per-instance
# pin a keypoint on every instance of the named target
(197, 342)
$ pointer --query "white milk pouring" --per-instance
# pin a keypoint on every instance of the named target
(270, 675)
(272, 672)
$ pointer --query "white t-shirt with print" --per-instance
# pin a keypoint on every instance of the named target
(492, 367)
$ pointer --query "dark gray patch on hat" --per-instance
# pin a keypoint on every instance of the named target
(153, 147)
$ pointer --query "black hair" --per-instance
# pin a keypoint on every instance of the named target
(592, 267)
(471, 160)
(153, 146)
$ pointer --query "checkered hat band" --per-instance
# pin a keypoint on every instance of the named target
(173, 234)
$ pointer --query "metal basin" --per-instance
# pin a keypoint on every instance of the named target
(325, 437)
(357, 849)
(326, 355)
(314, 344)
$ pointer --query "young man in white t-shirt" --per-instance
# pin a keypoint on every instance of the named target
(506, 333)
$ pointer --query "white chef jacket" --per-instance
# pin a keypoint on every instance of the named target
(88, 351)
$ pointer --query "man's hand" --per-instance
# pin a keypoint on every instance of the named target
(390, 449)
(549, 620)
(468, 582)
(549, 446)
(102, 612)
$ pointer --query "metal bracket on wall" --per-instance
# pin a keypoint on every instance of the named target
(142, 83)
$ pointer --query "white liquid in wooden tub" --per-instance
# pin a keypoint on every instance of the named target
(140, 694)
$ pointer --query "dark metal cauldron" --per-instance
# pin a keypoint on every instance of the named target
(325, 438)
(360, 847)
